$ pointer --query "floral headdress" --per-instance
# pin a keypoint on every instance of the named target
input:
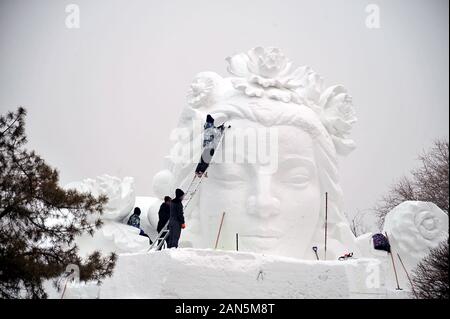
(266, 72)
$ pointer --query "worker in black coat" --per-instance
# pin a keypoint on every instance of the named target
(164, 213)
(135, 221)
(176, 220)
(211, 138)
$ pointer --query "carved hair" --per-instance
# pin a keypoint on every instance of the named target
(266, 89)
(268, 113)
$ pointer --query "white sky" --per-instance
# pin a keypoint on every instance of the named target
(103, 98)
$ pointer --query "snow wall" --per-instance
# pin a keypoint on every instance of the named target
(206, 273)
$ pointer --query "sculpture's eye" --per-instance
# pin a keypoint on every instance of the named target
(232, 178)
(297, 177)
(229, 175)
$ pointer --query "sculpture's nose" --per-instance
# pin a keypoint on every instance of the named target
(263, 204)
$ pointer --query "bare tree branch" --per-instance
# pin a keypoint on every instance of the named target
(429, 182)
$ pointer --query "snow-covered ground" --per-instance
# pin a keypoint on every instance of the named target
(207, 273)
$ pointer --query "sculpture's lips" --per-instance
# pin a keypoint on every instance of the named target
(260, 242)
(258, 236)
(263, 234)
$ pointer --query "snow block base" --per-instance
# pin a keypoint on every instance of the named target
(206, 273)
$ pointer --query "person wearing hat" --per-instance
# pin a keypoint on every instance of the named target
(135, 221)
(164, 215)
(211, 137)
(176, 220)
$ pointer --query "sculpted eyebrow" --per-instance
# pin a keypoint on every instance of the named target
(299, 161)
(225, 168)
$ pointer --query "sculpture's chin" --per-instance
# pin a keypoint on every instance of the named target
(259, 243)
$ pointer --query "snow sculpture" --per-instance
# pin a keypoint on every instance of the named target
(414, 228)
(120, 194)
(205, 273)
(267, 72)
(276, 206)
(114, 235)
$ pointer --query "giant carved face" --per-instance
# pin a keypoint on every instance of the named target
(278, 211)
(273, 207)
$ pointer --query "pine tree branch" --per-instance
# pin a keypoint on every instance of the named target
(10, 125)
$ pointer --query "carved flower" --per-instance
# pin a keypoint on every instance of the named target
(120, 193)
(266, 71)
(200, 91)
(338, 116)
(310, 86)
(415, 227)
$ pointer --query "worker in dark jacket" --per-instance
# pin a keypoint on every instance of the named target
(164, 215)
(135, 221)
(211, 137)
(176, 220)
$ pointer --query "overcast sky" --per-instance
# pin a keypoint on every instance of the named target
(103, 98)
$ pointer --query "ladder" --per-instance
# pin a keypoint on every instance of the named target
(190, 192)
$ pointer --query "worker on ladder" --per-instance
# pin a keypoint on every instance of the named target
(172, 229)
(176, 220)
(210, 139)
(163, 215)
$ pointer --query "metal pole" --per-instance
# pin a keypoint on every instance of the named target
(409, 278)
(64, 290)
(237, 242)
(218, 234)
(393, 264)
(326, 223)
